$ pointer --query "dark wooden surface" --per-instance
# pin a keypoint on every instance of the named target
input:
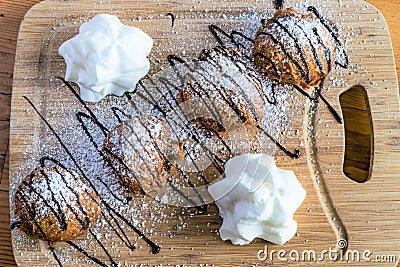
(11, 14)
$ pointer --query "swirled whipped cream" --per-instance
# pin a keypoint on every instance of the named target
(257, 200)
(106, 57)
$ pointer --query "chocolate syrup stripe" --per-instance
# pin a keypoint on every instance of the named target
(122, 237)
(85, 224)
(315, 54)
(334, 36)
(104, 129)
(252, 72)
(81, 250)
(232, 35)
(58, 212)
(253, 75)
(112, 212)
(273, 95)
(113, 262)
(144, 147)
(172, 16)
(304, 93)
(331, 109)
(214, 109)
(53, 252)
(318, 91)
(271, 63)
(327, 53)
(31, 212)
(121, 233)
(84, 252)
(167, 84)
(299, 50)
(211, 108)
(202, 208)
(155, 249)
(238, 86)
(215, 30)
(220, 89)
(172, 58)
(16, 225)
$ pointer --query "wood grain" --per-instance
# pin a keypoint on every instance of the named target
(11, 14)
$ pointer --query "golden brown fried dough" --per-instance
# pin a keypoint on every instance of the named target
(294, 48)
(139, 149)
(223, 87)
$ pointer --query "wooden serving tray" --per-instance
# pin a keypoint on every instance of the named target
(336, 209)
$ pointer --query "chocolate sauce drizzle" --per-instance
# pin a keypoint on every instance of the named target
(214, 29)
(121, 161)
(16, 225)
(172, 16)
(118, 112)
(21, 196)
(53, 252)
(272, 98)
(202, 207)
(278, 4)
(109, 210)
(232, 105)
(302, 67)
(86, 222)
(304, 72)
(334, 36)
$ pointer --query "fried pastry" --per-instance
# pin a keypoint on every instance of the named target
(223, 88)
(294, 48)
(56, 204)
(139, 149)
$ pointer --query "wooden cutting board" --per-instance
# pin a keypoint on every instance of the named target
(364, 215)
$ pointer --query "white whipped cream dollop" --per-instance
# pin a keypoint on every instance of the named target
(106, 57)
(257, 200)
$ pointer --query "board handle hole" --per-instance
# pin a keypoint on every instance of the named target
(359, 148)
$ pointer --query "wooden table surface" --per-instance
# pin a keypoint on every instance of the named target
(11, 14)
